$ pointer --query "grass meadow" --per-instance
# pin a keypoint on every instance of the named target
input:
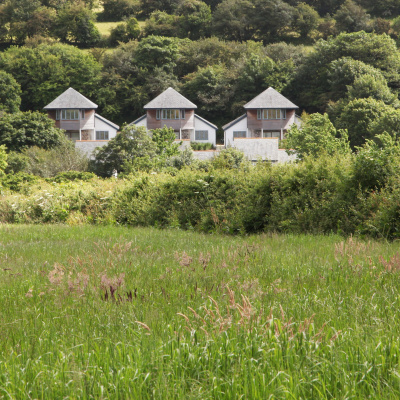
(105, 312)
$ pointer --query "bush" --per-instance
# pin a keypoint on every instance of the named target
(19, 181)
(72, 176)
(202, 146)
(116, 10)
(48, 163)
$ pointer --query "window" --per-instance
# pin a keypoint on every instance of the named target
(168, 113)
(57, 115)
(272, 134)
(70, 114)
(201, 135)
(83, 114)
(238, 134)
(101, 135)
(271, 113)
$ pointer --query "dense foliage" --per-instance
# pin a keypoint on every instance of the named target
(344, 193)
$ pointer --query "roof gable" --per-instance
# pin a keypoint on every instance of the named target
(106, 121)
(71, 98)
(269, 98)
(205, 121)
(234, 122)
(170, 98)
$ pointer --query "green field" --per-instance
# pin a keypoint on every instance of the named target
(118, 313)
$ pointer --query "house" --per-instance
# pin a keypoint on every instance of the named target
(77, 115)
(175, 111)
(268, 116)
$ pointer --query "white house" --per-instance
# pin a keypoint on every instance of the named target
(77, 115)
(175, 111)
(257, 132)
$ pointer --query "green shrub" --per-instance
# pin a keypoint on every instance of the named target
(72, 176)
(202, 146)
(17, 182)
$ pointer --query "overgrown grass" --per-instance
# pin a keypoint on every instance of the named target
(112, 312)
(105, 27)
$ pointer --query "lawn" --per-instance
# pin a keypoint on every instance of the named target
(119, 313)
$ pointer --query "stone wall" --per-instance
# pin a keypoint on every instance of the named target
(89, 146)
(205, 154)
(254, 149)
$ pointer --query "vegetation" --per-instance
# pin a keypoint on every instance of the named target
(176, 314)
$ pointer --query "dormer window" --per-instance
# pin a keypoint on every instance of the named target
(271, 113)
(170, 113)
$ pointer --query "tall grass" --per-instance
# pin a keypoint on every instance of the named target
(112, 312)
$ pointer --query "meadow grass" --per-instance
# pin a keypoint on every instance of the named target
(105, 27)
(140, 313)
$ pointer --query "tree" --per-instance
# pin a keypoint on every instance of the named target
(317, 136)
(195, 21)
(25, 129)
(211, 88)
(157, 51)
(116, 10)
(10, 92)
(232, 20)
(378, 51)
(75, 24)
(351, 18)
(376, 162)
(47, 70)
(358, 117)
(120, 152)
(3, 160)
(162, 24)
(48, 163)
(271, 18)
(368, 86)
(342, 74)
(166, 146)
(125, 32)
(305, 19)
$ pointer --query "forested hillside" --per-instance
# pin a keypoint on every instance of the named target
(218, 54)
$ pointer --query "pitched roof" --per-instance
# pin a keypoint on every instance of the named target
(71, 99)
(170, 98)
(106, 121)
(138, 120)
(229, 124)
(269, 98)
(205, 121)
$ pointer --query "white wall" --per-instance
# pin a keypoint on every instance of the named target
(143, 122)
(200, 125)
(239, 126)
(102, 126)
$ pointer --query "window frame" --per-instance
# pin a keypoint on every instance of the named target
(66, 114)
(241, 136)
(106, 133)
(201, 132)
(271, 114)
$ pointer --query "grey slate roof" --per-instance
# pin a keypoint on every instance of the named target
(229, 124)
(106, 121)
(269, 98)
(71, 99)
(170, 98)
(205, 121)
